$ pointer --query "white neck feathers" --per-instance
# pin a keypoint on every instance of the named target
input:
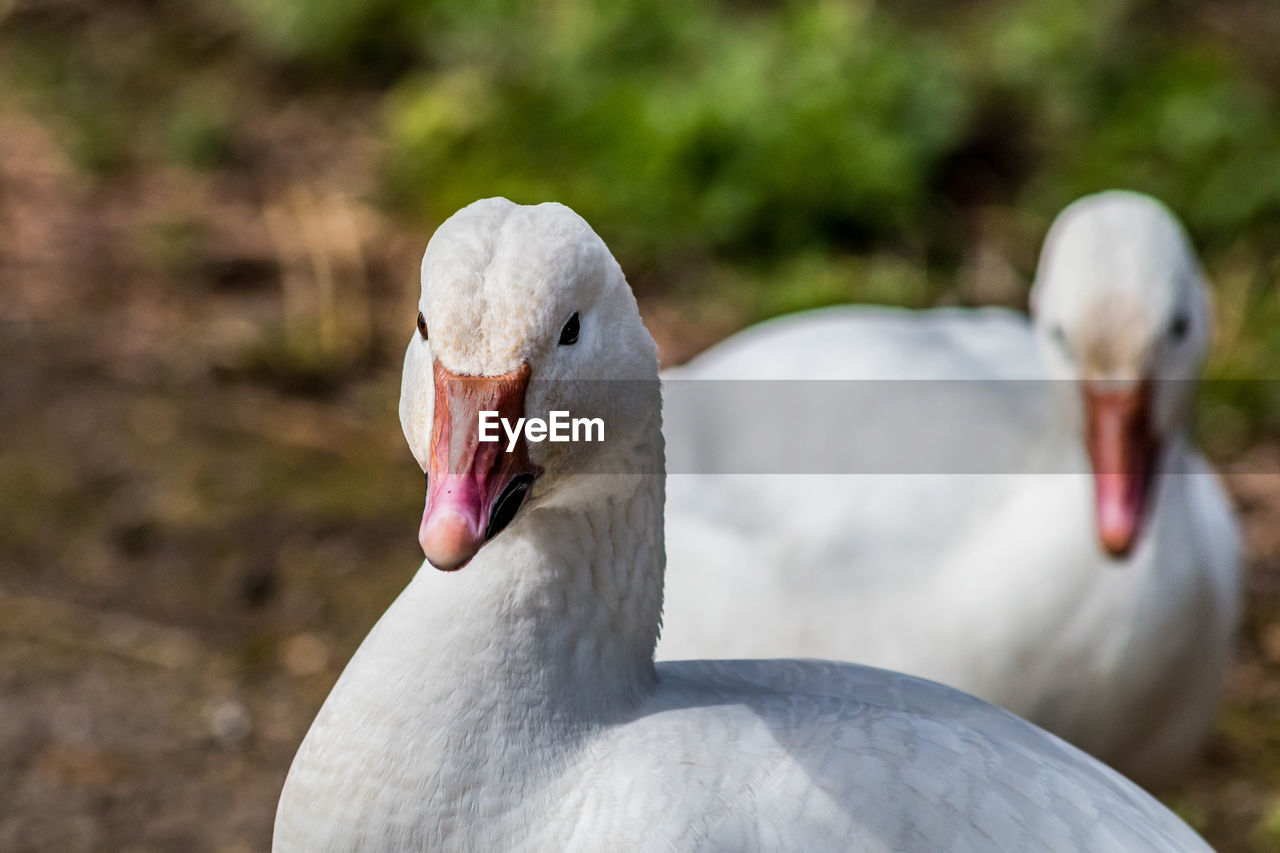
(475, 680)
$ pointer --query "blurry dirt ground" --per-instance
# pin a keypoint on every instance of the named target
(205, 501)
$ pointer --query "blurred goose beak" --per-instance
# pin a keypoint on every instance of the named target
(474, 488)
(1123, 450)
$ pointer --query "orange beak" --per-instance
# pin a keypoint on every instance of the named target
(474, 488)
(1123, 449)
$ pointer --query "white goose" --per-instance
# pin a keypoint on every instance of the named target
(514, 704)
(1102, 607)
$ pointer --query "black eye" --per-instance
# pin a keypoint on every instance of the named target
(569, 334)
(1179, 327)
(422, 325)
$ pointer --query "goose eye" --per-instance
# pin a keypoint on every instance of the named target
(1060, 338)
(1179, 327)
(569, 334)
(422, 325)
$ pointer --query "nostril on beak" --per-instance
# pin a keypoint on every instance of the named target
(507, 504)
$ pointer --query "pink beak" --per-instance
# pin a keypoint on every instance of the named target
(1123, 449)
(473, 488)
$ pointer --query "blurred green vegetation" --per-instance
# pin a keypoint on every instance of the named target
(810, 153)
(679, 130)
(770, 128)
(756, 155)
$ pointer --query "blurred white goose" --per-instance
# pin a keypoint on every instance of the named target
(1102, 607)
(511, 702)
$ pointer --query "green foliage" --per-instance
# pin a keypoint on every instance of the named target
(790, 154)
(325, 33)
(680, 129)
(1267, 833)
(818, 278)
(197, 134)
(783, 153)
(793, 128)
(1182, 121)
(82, 94)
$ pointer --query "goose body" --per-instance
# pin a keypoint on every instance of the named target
(991, 580)
(512, 702)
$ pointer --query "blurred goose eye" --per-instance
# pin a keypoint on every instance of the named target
(422, 325)
(569, 334)
(1059, 336)
(1179, 327)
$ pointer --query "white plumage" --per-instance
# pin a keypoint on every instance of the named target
(994, 580)
(514, 705)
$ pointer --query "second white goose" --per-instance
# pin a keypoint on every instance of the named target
(1087, 578)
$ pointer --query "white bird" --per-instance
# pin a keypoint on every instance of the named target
(1059, 548)
(511, 702)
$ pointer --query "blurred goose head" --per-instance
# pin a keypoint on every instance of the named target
(523, 311)
(1123, 311)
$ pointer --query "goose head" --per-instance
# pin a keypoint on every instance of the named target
(1122, 311)
(523, 312)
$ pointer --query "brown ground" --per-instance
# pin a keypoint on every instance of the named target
(205, 500)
